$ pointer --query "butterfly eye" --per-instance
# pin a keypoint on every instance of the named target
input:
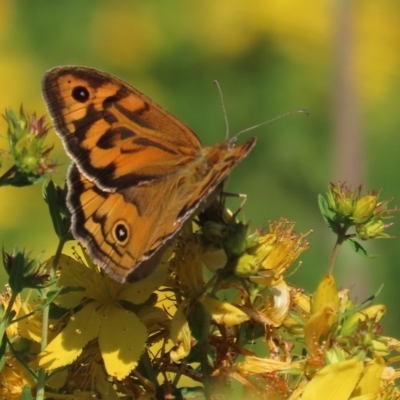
(80, 94)
(121, 233)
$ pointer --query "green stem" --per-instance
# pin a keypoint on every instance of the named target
(215, 282)
(149, 370)
(9, 307)
(340, 239)
(19, 358)
(41, 383)
(6, 175)
(205, 368)
(179, 373)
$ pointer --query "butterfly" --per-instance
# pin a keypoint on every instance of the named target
(137, 172)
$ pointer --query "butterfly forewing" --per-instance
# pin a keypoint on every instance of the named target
(116, 135)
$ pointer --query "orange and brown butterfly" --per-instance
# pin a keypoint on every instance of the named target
(137, 172)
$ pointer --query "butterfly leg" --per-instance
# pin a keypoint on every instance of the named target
(243, 202)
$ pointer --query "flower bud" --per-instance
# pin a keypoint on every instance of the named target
(345, 206)
(246, 266)
(364, 209)
(26, 136)
(372, 230)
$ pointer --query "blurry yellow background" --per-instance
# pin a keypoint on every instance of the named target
(270, 57)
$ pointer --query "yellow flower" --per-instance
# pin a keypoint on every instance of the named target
(180, 334)
(104, 314)
(276, 251)
(13, 378)
(223, 312)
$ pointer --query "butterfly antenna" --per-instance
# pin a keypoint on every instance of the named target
(216, 83)
(272, 120)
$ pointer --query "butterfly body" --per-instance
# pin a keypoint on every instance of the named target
(137, 172)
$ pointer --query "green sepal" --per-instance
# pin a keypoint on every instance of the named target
(26, 393)
(15, 177)
(3, 346)
(55, 197)
(16, 273)
(327, 214)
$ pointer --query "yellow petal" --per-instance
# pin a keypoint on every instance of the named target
(223, 312)
(57, 380)
(180, 334)
(374, 312)
(154, 318)
(325, 295)
(31, 327)
(257, 365)
(67, 345)
(139, 292)
(188, 263)
(371, 378)
(72, 275)
(335, 381)
(104, 385)
(278, 308)
(71, 271)
(302, 300)
(122, 339)
(12, 329)
(317, 328)
(215, 259)
(370, 397)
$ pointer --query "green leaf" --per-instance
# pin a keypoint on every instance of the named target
(188, 393)
(363, 305)
(359, 249)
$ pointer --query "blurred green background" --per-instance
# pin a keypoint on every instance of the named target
(338, 59)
